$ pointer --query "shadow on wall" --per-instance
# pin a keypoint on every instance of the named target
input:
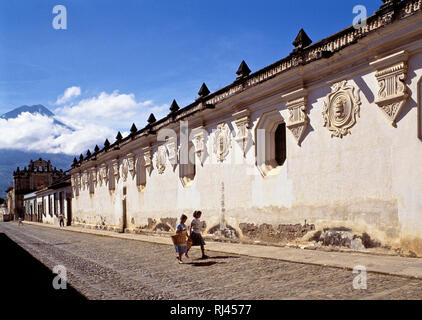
(410, 104)
(367, 92)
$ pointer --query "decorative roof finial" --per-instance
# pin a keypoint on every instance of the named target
(133, 129)
(96, 149)
(203, 92)
(243, 70)
(88, 154)
(75, 161)
(119, 137)
(302, 41)
(81, 158)
(174, 107)
(151, 119)
(106, 144)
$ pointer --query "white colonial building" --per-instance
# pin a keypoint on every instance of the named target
(330, 134)
(47, 204)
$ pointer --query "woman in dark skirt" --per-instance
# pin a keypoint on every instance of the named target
(195, 233)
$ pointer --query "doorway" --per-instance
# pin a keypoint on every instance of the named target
(124, 215)
(69, 212)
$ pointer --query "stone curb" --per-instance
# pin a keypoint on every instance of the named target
(390, 265)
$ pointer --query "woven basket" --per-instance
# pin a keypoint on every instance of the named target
(179, 239)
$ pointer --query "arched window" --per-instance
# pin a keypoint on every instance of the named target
(270, 136)
(187, 166)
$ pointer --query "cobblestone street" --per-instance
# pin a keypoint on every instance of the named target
(110, 268)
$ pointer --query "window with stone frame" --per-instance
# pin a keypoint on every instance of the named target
(187, 164)
(271, 147)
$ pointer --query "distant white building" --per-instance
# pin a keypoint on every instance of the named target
(47, 204)
(3, 212)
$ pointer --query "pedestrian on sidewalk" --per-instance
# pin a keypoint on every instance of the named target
(20, 223)
(182, 230)
(195, 233)
(61, 219)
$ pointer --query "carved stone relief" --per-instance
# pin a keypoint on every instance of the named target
(222, 142)
(84, 180)
(393, 92)
(147, 159)
(115, 164)
(79, 181)
(160, 159)
(298, 120)
(125, 169)
(341, 109)
(75, 181)
(93, 176)
(199, 144)
(131, 164)
(102, 175)
(172, 152)
(243, 136)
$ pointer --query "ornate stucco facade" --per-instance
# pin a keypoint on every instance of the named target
(37, 175)
(330, 135)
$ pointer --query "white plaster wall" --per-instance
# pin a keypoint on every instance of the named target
(370, 180)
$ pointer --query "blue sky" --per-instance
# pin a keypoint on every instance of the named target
(153, 50)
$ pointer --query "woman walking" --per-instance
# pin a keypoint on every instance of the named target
(195, 233)
(181, 229)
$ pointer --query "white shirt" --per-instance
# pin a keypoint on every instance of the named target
(196, 223)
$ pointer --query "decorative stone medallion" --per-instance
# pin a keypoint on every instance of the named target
(160, 159)
(222, 142)
(341, 109)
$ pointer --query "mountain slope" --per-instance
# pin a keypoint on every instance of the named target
(11, 159)
(31, 109)
(36, 109)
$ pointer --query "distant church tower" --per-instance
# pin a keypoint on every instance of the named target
(38, 175)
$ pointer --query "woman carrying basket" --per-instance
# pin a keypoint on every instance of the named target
(181, 232)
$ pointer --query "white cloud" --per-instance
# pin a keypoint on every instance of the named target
(92, 121)
(69, 93)
(35, 132)
(116, 110)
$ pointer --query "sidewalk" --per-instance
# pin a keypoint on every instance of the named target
(392, 265)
